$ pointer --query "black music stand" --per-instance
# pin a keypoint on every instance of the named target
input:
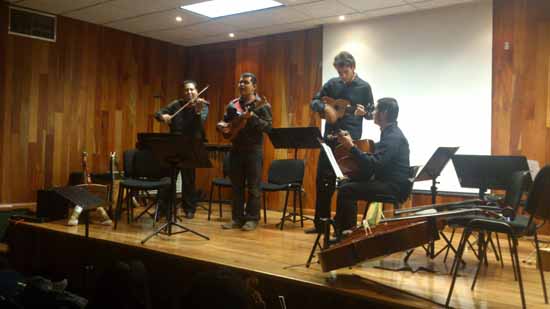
(78, 195)
(295, 138)
(487, 172)
(435, 166)
(175, 151)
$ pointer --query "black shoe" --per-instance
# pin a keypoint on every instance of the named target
(313, 230)
(333, 240)
(189, 215)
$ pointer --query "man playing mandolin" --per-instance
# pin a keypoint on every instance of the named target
(188, 121)
(343, 101)
(383, 172)
(246, 119)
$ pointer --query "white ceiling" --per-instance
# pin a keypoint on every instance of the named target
(157, 18)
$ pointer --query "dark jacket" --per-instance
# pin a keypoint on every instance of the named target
(251, 136)
(390, 160)
(357, 92)
(187, 121)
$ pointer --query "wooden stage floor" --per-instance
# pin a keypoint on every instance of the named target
(270, 252)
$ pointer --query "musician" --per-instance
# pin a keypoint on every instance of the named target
(190, 122)
(386, 171)
(358, 92)
(245, 159)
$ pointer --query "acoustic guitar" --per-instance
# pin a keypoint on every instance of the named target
(339, 107)
(231, 129)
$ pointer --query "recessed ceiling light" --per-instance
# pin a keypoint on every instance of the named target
(217, 8)
(342, 17)
(179, 19)
(232, 35)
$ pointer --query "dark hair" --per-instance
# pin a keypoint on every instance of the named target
(344, 59)
(190, 81)
(251, 75)
(390, 106)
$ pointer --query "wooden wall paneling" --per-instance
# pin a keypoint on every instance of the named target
(286, 76)
(91, 90)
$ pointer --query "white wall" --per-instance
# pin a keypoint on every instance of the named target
(437, 64)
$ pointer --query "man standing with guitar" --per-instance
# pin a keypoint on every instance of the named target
(343, 101)
(188, 121)
(246, 119)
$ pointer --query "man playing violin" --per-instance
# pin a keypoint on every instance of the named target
(386, 171)
(349, 87)
(246, 154)
(188, 121)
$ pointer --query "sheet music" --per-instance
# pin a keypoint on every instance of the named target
(333, 163)
(534, 168)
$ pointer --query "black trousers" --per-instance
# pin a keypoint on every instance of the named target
(187, 190)
(246, 169)
(348, 195)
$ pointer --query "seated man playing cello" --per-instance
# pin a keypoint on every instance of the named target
(386, 171)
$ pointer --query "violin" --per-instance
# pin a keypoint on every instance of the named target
(192, 102)
(231, 129)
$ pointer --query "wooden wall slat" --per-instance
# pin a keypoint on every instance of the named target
(286, 76)
(91, 90)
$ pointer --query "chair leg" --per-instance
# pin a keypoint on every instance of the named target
(294, 206)
(449, 245)
(540, 269)
(210, 201)
(512, 257)
(515, 250)
(458, 257)
(129, 197)
(265, 207)
(118, 205)
(301, 207)
(499, 251)
(483, 255)
(220, 199)
(284, 212)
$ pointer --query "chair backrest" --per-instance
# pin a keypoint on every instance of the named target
(519, 183)
(286, 171)
(128, 162)
(226, 165)
(538, 202)
(142, 164)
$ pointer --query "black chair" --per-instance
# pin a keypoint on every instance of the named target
(220, 183)
(519, 183)
(142, 173)
(396, 201)
(537, 206)
(285, 175)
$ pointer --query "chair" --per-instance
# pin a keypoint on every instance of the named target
(519, 183)
(220, 183)
(537, 206)
(285, 175)
(142, 172)
(396, 201)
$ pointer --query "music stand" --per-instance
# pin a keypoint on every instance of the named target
(175, 151)
(435, 166)
(295, 138)
(487, 172)
(78, 195)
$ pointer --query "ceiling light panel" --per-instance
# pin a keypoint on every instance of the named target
(218, 8)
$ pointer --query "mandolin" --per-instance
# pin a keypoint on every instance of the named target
(338, 108)
(231, 129)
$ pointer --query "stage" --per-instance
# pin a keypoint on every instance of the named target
(276, 258)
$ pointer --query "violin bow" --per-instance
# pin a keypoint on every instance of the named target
(190, 101)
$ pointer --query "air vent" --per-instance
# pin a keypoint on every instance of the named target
(32, 24)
